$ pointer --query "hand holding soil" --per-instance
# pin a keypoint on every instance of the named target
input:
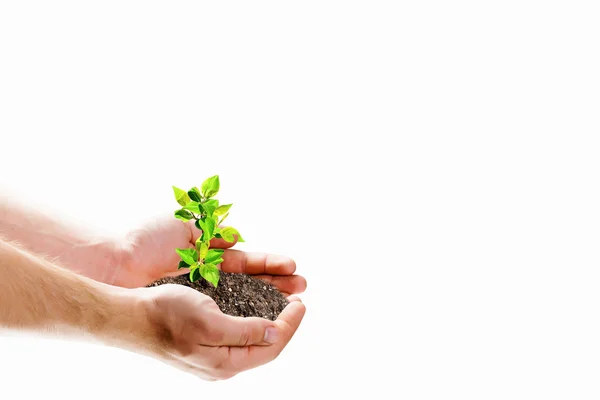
(147, 255)
(189, 332)
(63, 280)
(242, 284)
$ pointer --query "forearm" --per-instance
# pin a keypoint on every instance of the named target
(74, 248)
(36, 295)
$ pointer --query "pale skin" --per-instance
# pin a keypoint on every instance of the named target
(55, 278)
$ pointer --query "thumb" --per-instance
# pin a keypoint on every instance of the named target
(240, 331)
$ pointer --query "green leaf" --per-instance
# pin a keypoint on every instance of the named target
(183, 215)
(193, 206)
(210, 186)
(222, 210)
(182, 264)
(202, 248)
(194, 194)
(181, 196)
(223, 219)
(210, 206)
(190, 256)
(213, 255)
(216, 261)
(213, 252)
(208, 228)
(211, 273)
(197, 223)
(195, 274)
(228, 234)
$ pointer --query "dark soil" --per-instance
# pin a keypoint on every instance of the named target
(239, 295)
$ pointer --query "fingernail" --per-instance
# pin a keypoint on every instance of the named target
(271, 335)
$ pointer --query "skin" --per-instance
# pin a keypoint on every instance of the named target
(94, 287)
(152, 257)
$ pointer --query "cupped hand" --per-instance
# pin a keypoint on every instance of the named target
(187, 330)
(149, 254)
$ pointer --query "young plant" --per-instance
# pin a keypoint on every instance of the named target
(200, 205)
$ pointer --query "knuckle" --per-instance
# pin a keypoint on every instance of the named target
(245, 337)
(206, 327)
(210, 333)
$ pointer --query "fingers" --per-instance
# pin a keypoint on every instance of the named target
(257, 263)
(222, 243)
(242, 345)
(181, 271)
(288, 284)
(237, 331)
(248, 263)
(243, 358)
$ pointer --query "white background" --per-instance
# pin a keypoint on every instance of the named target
(432, 166)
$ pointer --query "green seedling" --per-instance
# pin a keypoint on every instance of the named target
(201, 206)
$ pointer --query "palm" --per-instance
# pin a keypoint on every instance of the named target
(152, 251)
(154, 257)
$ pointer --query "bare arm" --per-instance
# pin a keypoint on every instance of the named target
(81, 250)
(143, 255)
(173, 323)
(36, 295)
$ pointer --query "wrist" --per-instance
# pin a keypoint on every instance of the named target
(127, 324)
(121, 261)
(111, 254)
(98, 258)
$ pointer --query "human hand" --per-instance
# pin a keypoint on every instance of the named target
(149, 254)
(186, 329)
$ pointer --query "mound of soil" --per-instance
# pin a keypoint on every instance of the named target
(239, 295)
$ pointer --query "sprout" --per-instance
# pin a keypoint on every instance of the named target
(199, 205)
